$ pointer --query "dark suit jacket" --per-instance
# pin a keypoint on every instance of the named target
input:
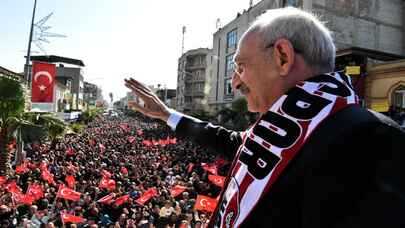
(350, 173)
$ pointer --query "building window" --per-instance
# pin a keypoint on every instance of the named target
(230, 66)
(231, 39)
(293, 3)
(228, 87)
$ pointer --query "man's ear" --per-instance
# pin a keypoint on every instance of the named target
(284, 56)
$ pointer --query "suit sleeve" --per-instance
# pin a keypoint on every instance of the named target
(222, 140)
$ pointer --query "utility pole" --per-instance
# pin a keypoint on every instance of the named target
(182, 43)
(27, 62)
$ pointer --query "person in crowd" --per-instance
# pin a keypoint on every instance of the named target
(314, 158)
(134, 166)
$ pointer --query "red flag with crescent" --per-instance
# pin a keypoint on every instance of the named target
(217, 180)
(147, 196)
(71, 181)
(70, 151)
(12, 186)
(20, 198)
(121, 200)
(67, 193)
(71, 218)
(107, 199)
(210, 168)
(107, 183)
(205, 203)
(46, 175)
(105, 173)
(36, 191)
(124, 170)
(131, 139)
(43, 81)
(177, 190)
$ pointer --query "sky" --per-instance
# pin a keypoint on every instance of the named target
(116, 39)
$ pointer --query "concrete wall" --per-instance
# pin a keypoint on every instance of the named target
(372, 24)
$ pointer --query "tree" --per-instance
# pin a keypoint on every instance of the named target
(237, 117)
(19, 125)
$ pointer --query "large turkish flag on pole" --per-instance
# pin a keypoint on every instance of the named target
(43, 81)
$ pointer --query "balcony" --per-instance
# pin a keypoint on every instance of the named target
(196, 66)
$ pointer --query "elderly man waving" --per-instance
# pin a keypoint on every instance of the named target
(314, 158)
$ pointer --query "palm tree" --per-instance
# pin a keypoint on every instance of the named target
(20, 125)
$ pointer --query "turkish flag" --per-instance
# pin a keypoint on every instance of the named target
(70, 180)
(21, 168)
(147, 196)
(121, 200)
(211, 169)
(107, 199)
(36, 191)
(71, 218)
(46, 175)
(43, 81)
(217, 180)
(67, 193)
(43, 165)
(147, 142)
(177, 190)
(205, 203)
(190, 167)
(173, 140)
(107, 183)
(3, 180)
(125, 127)
(105, 173)
(12, 187)
(131, 139)
(124, 170)
(70, 151)
(20, 198)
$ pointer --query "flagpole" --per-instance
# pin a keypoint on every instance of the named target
(27, 61)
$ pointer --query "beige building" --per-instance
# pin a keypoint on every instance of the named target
(385, 86)
(193, 80)
(368, 24)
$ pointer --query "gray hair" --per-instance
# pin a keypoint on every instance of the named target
(305, 32)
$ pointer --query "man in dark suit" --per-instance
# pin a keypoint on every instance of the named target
(314, 158)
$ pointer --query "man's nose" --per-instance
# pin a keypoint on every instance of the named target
(235, 81)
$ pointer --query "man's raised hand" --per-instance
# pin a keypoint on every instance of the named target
(153, 106)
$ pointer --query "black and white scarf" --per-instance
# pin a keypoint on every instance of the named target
(275, 139)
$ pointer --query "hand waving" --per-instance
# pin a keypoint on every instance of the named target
(153, 106)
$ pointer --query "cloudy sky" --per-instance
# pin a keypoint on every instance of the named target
(116, 38)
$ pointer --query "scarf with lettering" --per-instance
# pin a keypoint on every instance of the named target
(275, 139)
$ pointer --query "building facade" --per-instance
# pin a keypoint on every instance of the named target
(193, 80)
(92, 93)
(385, 86)
(369, 24)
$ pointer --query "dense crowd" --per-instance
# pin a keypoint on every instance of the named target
(113, 148)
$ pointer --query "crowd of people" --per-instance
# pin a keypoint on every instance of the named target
(113, 148)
